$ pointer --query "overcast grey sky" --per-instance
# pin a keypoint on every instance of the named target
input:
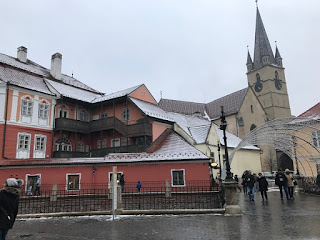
(191, 50)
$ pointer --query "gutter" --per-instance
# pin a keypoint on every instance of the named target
(5, 122)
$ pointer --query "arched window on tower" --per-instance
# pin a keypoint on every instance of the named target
(276, 75)
(258, 77)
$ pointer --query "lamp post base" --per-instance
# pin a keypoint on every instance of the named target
(231, 197)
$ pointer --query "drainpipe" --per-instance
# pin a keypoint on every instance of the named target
(5, 122)
(53, 128)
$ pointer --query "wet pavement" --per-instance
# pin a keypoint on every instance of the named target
(272, 219)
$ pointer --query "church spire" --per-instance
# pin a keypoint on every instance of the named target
(249, 62)
(278, 57)
(263, 54)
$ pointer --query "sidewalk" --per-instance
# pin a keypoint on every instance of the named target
(272, 219)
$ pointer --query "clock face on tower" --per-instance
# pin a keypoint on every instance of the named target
(278, 84)
(258, 86)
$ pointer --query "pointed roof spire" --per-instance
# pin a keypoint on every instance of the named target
(277, 55)
(262, 45)
(249, 59)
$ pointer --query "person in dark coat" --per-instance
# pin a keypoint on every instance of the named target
(281, 182)
(122, 182)
(9, 203)
(250, 180)
(139, 186)
(263, 186)
(244, 184)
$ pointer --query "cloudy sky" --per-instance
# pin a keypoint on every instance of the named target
(191, 50)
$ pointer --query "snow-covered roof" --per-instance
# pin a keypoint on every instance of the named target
(35, 68)
(72, 92)
(116, 94)
(200, 133)
(151, 110)
(23, 79)
(232, 140)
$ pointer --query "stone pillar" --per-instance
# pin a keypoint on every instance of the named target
(54, 191)
(231, 197)
(168, 189)
(119, 200)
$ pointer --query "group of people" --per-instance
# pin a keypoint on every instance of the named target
(252, 182)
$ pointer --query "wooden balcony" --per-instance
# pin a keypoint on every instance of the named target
(133, 130)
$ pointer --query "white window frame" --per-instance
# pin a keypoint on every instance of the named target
(125, 114)
(38, 175)
(67, 181)
(18, 141)
(26, 107)
(44, 138)
(316, 138)
(68, 146)
(110, 174)
(115, 140)
(102, 143)
(43, 111)
(83, 116)
(172, 178)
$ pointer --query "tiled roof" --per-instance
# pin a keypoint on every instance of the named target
(231, 104)
(23, 79)
(183, 107)
(312, 112)
(200, 133)
(32, 67)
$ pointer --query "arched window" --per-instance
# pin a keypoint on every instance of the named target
(253, 126)
(258, 77)
(63, 144)
(276, 75)
(26, 106)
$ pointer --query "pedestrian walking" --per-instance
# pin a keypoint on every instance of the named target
(9, 203)
(38, 185)
(122, 182)
(263, 186)
(250, 180)
(139, 186)
(244, 183)
(281, 182)
(290, 183)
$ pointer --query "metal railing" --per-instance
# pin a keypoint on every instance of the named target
(97, 197)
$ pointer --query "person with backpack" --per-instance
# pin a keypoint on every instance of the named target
(9, 203)
(281, 181)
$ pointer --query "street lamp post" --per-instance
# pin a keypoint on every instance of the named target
(219, 159)
(223, 127)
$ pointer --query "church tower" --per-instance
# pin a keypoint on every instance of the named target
(266, 75)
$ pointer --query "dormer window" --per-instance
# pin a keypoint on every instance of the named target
(266, 59)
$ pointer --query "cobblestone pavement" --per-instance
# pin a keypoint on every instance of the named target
(272, 219)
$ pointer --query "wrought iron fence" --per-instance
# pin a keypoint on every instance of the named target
(97, 197)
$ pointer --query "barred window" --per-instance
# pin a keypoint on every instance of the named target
(316, 138)
(24, 141)
(26, 107)
(178, 178)
(43, 110)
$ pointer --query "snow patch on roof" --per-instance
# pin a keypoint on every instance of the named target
(116, 94)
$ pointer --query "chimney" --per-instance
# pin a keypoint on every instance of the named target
(22, 54)
(56, 61)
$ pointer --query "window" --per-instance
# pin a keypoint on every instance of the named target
(251, 109)
(115, 142)
(125, 114)
(40, 143)
(276, 75)
(95, 117)
(63, 113)
(24, 141)
(80, 147)
(73, 182)
(43, 110)
(258, 77)
(63, 144)
(102, 144)
(224, 159)
(316, 138)
(83, 116)
(104, 115)
(26, 107)
(178, 178)
(212, 156)
(124, 141)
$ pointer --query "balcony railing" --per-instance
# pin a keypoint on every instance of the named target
(101, 152)
(139, 129)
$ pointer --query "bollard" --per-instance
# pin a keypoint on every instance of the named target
(53, 196)
(168, 189)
